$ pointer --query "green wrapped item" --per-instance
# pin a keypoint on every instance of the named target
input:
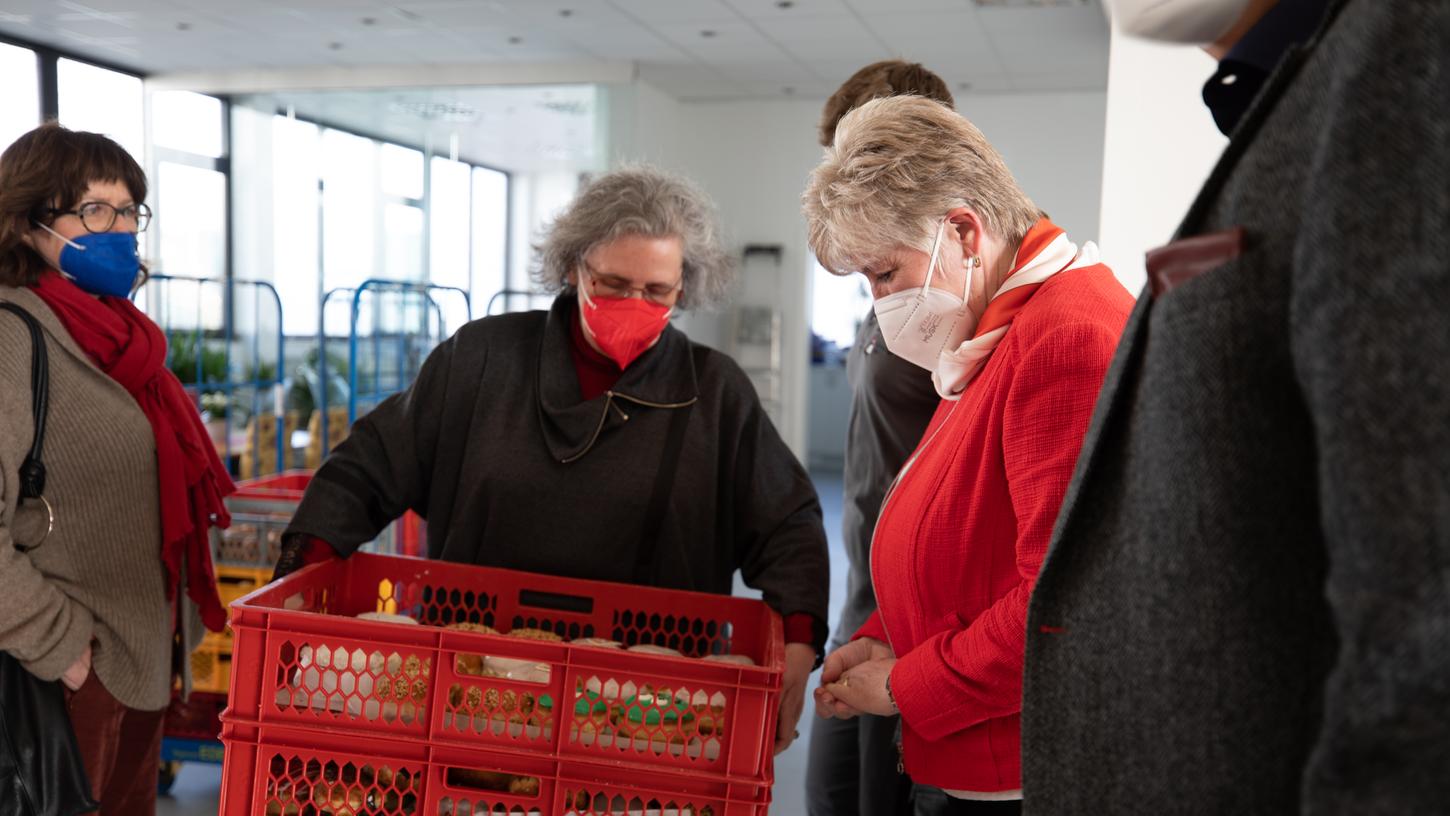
(588, 705)
(645, 710)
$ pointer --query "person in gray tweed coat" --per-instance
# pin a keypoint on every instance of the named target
(1246, 604)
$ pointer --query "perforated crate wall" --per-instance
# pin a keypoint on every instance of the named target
(271, 771)
(310, 662)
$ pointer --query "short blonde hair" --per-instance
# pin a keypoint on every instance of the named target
(897, 166)
(639, 200)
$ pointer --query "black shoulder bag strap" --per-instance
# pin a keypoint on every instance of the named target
(42, 772)
(32, 470)
(659, 502)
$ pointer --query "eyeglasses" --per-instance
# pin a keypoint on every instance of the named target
(662, 294)
(98, 216)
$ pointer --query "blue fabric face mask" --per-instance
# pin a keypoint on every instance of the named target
(101, 263)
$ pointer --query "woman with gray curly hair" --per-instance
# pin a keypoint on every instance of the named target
(594, 440)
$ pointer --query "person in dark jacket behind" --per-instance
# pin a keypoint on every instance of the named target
(542, 441)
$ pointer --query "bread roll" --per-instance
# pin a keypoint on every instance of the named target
(738, 660)
(387, 617)
(646, 648)
(536, 634)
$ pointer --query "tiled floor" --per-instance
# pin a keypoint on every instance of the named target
(197, 788)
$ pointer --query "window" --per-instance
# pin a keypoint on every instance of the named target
(403, 237)
(19, 93)
(296, 155)
(349, 210)
(192, 220)
(448, 208)
(402, 171)
(838, 305)
(103, 101)
(189, 122)
(490, 235)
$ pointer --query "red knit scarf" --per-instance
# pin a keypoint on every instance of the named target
(126, 345)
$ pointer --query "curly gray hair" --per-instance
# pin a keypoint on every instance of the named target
(639, 200)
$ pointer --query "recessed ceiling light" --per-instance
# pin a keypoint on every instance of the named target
(515, 40)
(1030, 3)
(964, 86)
(788, 90)
(708, 33)
(183, 26)
(334, 46)
(785, 4)
(566, 12)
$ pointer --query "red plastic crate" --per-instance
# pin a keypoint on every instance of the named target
(303, 660)
(281, 771)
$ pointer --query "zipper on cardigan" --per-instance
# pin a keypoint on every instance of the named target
(603, 415)
(609, 398)
(648, 404)
(900, 758)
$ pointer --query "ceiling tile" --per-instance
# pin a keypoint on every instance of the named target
(657, 13)
(811, 38)
(780, 72)
(893, 6)
(732, 41)
(625, 42)
(771, 10)
(940, 41)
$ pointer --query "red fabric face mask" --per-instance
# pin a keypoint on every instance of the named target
(622, 328)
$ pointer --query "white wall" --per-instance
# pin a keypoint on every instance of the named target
(1053, 144)
(754, 158)
(1161, 144)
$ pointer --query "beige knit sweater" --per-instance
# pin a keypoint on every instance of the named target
(98, 578)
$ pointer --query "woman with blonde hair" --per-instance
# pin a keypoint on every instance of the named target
(1017, 326)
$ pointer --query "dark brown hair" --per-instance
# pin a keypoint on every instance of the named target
(877, 80)
(53, 166)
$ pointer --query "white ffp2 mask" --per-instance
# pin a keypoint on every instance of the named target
(918, 325)
(1195, 22)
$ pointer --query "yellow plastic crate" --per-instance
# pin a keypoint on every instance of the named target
(211, 669)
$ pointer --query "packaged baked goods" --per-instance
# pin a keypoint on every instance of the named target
(471, 664)
(647, 648)
(597, 643)
(387, 617)
(507, 668)
(536, 634)
(737, 660)
(464, 626)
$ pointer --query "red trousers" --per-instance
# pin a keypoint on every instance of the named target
(121, 748)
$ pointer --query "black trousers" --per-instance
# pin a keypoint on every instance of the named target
(851, 771)
(966, 807)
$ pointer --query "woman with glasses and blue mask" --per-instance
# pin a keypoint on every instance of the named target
(1017, 325)
(108, 483)
(594, 440)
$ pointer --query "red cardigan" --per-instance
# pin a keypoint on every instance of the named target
(961, 538)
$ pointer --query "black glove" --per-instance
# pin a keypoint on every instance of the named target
(290, 560)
